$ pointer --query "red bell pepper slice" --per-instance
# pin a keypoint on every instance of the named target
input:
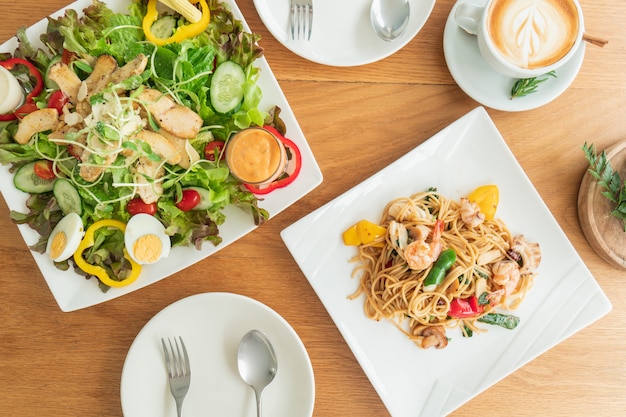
(461, 308)
(293, 167)
(29, 106)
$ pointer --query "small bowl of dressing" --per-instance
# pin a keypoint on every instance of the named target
(255, 156)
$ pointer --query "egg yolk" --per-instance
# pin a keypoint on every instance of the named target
(59, 242)
(147, 248)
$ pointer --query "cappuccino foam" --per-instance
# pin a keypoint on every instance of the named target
(533, 33)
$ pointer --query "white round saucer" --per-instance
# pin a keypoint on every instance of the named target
(486, 86)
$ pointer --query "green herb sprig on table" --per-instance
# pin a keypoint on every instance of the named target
(609, 179)
(526, 86)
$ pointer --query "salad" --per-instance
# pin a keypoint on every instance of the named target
(123, 121)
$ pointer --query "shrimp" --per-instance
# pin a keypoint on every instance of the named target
(471, 214)
(423, 252)
(507, 274)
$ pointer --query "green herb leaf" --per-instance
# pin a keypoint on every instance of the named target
(609, 179)
(526, 86)
(503, 320)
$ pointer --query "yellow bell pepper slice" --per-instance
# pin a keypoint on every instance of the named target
(98, 271)
(363, 232)
(184, 32)
(487, 197)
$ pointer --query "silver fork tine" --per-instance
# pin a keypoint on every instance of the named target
(178, 370)
(309, 8)
(301, 27)
(300, 19)
(292, 18)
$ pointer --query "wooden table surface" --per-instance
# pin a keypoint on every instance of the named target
(357, 120)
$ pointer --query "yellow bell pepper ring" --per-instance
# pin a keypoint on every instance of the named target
(184, 32)
(487, 197)
(363, 233)
(98, 271)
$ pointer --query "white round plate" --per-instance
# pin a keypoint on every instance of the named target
(342, 35)
(211, 326)
(476, 78)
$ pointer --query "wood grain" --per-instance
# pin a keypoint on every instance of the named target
(357, 120)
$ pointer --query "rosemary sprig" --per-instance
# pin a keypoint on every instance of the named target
(609, 179)
(526, 86)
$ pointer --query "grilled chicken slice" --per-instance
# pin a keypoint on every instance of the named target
(147, 175)
(67, 80)
(100, 77)
(91, 173)
(188, 154)
(178, 120)
(35, 122)
(159, 145)
(134, 67)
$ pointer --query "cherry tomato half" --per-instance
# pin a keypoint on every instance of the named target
(213, 150)
(75, 151)
(189, 200)
(57, 100)
(44, 169)
(136, 206)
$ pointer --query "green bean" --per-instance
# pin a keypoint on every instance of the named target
(438, 272)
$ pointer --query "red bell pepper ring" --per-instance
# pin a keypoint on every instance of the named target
(293, 167)
(461, 308)
(29, 105)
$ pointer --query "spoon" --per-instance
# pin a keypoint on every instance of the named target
(257, 363)
(390, 18)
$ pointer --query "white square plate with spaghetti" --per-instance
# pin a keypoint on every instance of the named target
(413, 382)
(72, 291)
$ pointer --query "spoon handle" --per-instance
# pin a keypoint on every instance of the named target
(258, 402)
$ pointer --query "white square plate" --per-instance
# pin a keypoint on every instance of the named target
(414, 382)
(73, 292)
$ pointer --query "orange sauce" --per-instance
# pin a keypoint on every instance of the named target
(255, 156)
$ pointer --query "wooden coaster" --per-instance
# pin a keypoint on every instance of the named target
(605, 233)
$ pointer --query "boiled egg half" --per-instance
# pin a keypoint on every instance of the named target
(65, 237)
(145, 239)
(11, 93)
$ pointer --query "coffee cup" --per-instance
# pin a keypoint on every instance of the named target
(524, 38)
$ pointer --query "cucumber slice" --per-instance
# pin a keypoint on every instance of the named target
(67, 197)
(205, 198)
(164, 27)
(26, 180)
(226, 89)
(49, 83)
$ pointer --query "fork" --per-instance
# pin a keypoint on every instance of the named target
(178, 370)
(301, 19)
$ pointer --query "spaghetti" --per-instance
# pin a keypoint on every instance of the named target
(442, 265)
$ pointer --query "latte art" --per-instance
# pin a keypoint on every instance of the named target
(533, 33)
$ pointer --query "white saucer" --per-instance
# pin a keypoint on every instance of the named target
(342, 35)
(483, 84)
(211, 326)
